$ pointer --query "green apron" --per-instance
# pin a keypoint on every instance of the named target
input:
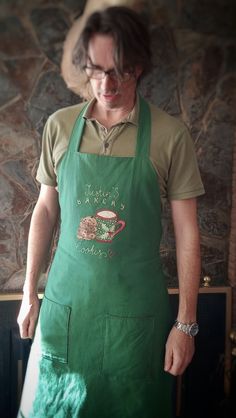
(99, 346)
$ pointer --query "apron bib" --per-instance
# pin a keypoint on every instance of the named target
(99, 346)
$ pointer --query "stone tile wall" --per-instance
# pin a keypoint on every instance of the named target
(193, 78)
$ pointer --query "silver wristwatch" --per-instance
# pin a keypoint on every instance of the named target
(190, 329)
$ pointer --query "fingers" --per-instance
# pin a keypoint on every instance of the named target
(24, 329)
(27, 318)
(179, 352)
(27, 329)
(174, 364)
(178, 367)
(168, 360)
(31, 329)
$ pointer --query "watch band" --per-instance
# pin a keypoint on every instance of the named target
(190, 329)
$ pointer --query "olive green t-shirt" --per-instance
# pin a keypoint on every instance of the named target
(171, 150)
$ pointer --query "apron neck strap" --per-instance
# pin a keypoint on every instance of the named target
(143, 136)
(144, 129)
(77, 130)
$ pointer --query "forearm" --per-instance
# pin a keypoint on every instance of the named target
(42, 225)
(188, 265)
(184, 215)
(40, 235)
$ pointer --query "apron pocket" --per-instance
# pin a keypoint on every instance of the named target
(128, 346)
(54, 328)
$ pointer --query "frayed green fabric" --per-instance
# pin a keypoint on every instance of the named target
(60, 393)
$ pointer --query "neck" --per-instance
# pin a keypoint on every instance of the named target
(110, 117)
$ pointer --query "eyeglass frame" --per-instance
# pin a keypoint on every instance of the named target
(112, 73)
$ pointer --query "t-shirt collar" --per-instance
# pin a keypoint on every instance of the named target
(131, 118)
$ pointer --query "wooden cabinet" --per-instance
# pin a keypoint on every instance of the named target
(202, 391)
(13, 357)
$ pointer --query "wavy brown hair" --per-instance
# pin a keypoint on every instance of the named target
(130, 35)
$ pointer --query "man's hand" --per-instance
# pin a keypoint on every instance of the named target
(179, 352)
(28, 316)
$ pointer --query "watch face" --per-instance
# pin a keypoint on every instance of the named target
(194, 329)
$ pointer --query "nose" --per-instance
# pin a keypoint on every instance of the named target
(108, 83)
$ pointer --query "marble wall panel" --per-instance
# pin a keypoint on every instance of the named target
(193, 77)
(49, 95)
(8, 89)
(160, 85)
(51, 26)
(11, 258)
(25, 73)
(16, 40)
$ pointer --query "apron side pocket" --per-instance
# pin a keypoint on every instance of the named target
(128, 346)
(54, 322)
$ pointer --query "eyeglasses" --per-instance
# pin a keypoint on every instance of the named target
(98, 74)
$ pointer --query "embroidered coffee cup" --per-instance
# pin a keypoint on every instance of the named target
(108, 225)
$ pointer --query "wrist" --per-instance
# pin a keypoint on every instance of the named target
(30, 291)
(187, 319)
(187, 315)
(191, 329)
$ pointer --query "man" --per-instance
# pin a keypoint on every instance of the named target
(101, 347)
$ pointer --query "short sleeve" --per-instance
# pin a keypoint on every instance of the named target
(184, 180)
(46, 171)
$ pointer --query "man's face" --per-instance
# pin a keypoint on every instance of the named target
(110, 92)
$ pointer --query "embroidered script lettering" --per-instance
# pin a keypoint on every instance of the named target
(100, 253)
(97, 195)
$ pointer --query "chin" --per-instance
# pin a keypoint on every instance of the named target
(109, 102)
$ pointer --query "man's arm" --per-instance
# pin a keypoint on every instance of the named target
(179, 346)
(42, 225)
